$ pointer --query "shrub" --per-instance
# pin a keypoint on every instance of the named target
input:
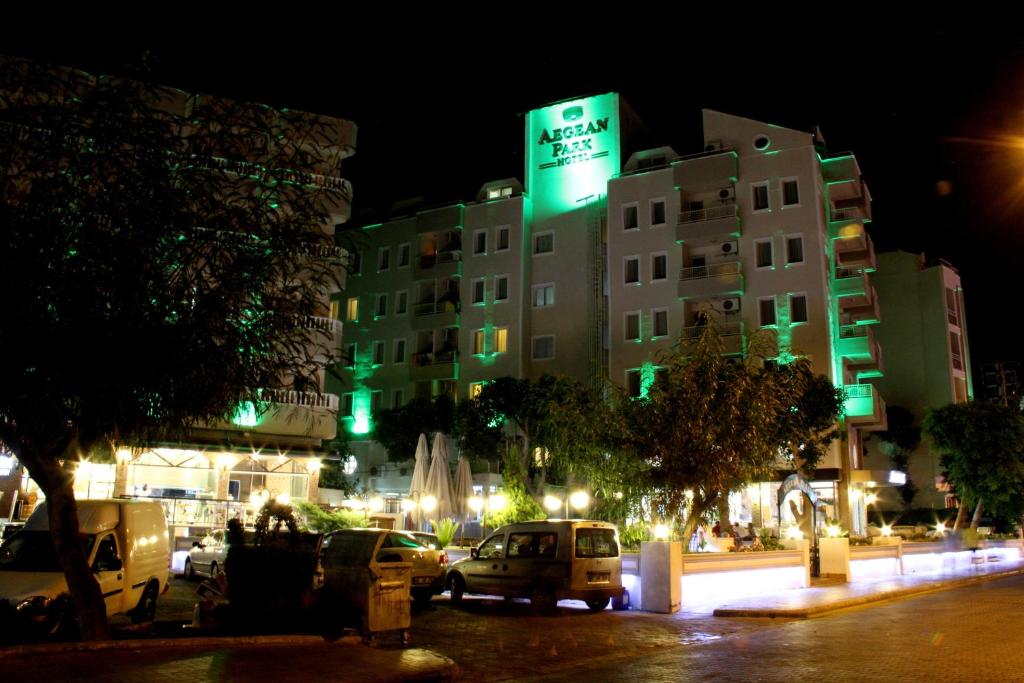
(445, 530)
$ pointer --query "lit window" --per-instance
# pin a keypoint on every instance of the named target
(764, 253)
(403, 255)
(795, 249)
(335, 310)
(790, 192)
(501, 288)
(629, 217)
(543, 295)
(501, 340)
(544, 243)
(478, 291)
(544, 347)
(760, 196)
(632, 270)
(659, 267)
(798, 308)
(478, 342)
(503, 233)
(660, 320)
(475, 388)
(352, 309)
(499, 192)
(633, 326)
(766, 307)
(657, 212)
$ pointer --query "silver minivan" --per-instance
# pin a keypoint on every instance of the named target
(545, 561)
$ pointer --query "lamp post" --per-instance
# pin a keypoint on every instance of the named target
(578, 499)
(495, 502)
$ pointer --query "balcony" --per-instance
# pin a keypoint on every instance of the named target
(864, 407)
(858, 301)
(709, 223)
(325, 335)
(443, 263)
(429, 315)
(851, 282)
(958, 361)
(734, 341)
(295, 414)
(706, 171)
(718, 279)
(430, 365)
(853, 247)
(440, 220)
(860, 351)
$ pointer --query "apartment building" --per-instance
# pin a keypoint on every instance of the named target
(606, 265)
(276, 449)
(924, 332)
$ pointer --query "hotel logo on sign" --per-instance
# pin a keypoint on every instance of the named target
(573, 143)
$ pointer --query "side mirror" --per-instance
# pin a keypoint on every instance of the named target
(474, 553)
(197, 544)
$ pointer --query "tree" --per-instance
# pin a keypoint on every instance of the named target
(982, 447)
(398, 429)
(158, 255)
(898, 443)
(710, 424)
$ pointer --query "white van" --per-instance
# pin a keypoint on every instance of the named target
(126, 543)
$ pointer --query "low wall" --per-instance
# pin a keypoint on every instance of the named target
(937, 557)
(875, 561)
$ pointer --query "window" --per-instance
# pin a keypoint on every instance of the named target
(631, 268)
(760, 196)
(355, 262)
(480, 242)
(543, 295)
(797, 308)
(478, 342)
(335, 310)
(659, 318)
(501, 288)
(106, 559)
(657, 212)
(501, 340)
(398, 357)
(403, 255)
(346, 405)
(378, 353)
(544, 243)
(633, 326)
(499, 192)
(383, 259)
(633, 383)
(397, 398)
(659, 267)
(503, 232)
(380, 306)
(790, 192)
(376, 401)
(401, 302)
(478, 291)
(493, 548)
(475, 388)
(544, 347)
(764, 253)
(349, 356)
(596, 543)
(352, 309)
(766, 308)
(630, 220)
(794, 249)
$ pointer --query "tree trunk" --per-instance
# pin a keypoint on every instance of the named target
(62, 511)
(961, 515)
(723, 515)
(977, 514)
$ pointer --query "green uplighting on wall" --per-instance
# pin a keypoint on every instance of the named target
(647, 377)
(245, 415)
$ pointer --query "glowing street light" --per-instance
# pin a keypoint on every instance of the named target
(661, 532)
(428, 503)
(552, 503)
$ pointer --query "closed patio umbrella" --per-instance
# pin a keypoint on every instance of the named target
(439, 479)
(418, 486)
(463, 487)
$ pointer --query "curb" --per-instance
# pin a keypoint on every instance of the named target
(157, 643)
(818, 610)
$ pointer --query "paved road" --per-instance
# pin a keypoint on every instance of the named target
(963, 635)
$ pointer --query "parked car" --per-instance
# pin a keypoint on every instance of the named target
(126, 543)
(206, 558)
(545, 561)
(429, 565)
(430, 540)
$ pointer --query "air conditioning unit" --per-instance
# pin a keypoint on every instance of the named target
(727, 194)
(731, 305)
(713, 146)
(730, 248)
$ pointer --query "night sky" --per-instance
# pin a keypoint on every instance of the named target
(931, 105)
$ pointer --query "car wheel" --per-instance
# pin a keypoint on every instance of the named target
(542, 600)
(214, 571)
(597, 604)
(190, 573)
(458, 589)
(146, 609)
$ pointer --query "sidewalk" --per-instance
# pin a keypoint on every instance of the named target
(803, 603)
(274, 658)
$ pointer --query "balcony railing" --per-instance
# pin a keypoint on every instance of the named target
(853, 331)
(724, 330)
(428, 260)
(709, 214)
(727, 269)
(859, 390)
(325, 325)
(431, 307)
(958, 362)
(951, 316)
(301, 398)
(849, 213)
(428, 358)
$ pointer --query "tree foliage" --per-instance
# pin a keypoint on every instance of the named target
(158, 254)
(398, 429)
(982, 447)
(898, 443)
(324, 521)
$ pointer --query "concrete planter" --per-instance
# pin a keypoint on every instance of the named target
(661, 573)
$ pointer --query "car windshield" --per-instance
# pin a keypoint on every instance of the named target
(33, 551)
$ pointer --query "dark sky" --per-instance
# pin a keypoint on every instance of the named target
(928, 103)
